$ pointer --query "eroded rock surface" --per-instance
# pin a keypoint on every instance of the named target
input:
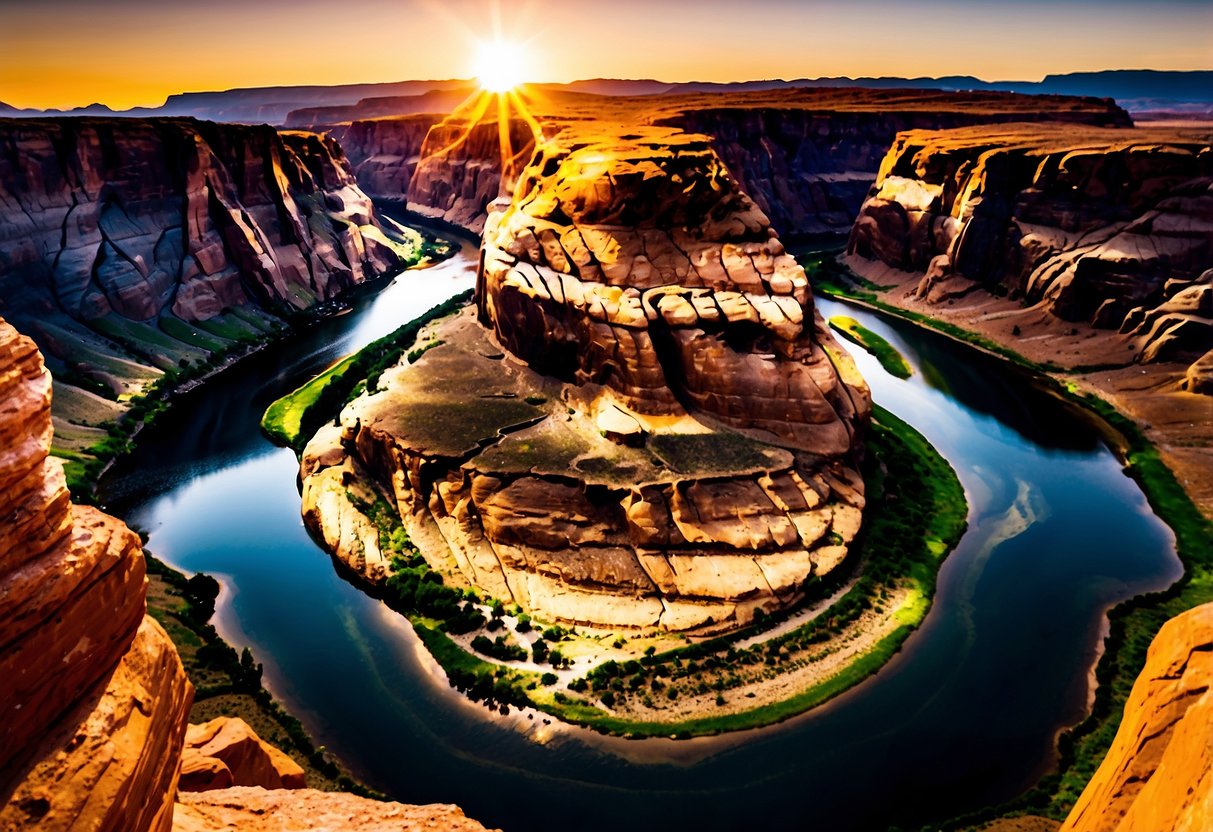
(671, 435)
(1158, 774)
(226, 752)
(94, 700)
(1113, 228)
(303, 810)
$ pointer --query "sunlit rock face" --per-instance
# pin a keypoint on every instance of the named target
(1109, 227)
(670, 438)
(141, 218)
(461, 168)
(1158, 774)
(94, 700)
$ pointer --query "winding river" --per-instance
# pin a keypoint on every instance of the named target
(966, 714)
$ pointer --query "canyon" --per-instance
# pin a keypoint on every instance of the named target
(643, 423)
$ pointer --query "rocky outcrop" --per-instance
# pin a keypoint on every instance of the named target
(671, 435)
(258, 810)
(93, 706)
(226, 752)
(1158, 774)
(1113, 228)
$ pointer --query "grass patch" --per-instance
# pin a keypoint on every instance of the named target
(293, 419)
(893, 361)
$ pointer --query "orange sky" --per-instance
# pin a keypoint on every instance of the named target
(65, 53)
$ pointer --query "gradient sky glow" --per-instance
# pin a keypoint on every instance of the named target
(66, 53)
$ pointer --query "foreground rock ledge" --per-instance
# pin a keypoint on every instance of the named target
(647, 425)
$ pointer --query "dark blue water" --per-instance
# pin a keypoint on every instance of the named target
(965, 715)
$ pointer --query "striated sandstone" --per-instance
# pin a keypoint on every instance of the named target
(257, 810)
(93, 706)
(227, 752)
(1158, 774)
(1112, 228)
(671, 437)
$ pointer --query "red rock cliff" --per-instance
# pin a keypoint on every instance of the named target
(1158, 774)
(94, 704)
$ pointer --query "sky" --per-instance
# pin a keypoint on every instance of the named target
(124, 53)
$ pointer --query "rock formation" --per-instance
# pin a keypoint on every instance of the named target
(1109, 227)
(383, 153)
(461, 168)
(1158, 774)
(304, 810)
(94, 701)
(226, 752)
(671, 437)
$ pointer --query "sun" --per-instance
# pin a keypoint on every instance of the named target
(500, 66)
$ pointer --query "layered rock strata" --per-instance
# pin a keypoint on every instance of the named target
(1158, 774)
(94, 701)
(1113, 228)
(118, 236)
(670, 438)
(226, 752)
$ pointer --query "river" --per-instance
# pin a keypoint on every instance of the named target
(966, 714)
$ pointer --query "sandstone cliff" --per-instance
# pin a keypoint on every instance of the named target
(383, 153)
(130, 246)
(94, 701)
(1109, 227)
(671, 437)
(1158, 774)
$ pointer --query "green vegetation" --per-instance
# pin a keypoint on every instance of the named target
(227, 683)
(893, 361)
(293, 419)
(1134, 623)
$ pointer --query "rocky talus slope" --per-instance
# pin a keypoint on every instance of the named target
(1112, 228)
(645, 424)
(131, 246)
(95, 702)
(1158, 774)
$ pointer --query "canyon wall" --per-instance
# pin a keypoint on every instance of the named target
(809, 167)
(1158, 774)
(1113, 228)
(383, 153)
(117, 235)
(670, 438)
(94, 704)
